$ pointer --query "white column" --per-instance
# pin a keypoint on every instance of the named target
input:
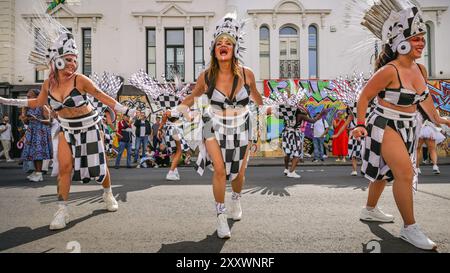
(274, 53)
(188, 54)
(160, 53)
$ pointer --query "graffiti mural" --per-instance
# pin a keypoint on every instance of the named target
(440, 91)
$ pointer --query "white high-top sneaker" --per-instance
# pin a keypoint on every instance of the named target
(177, 174)
(61, 218)
(172, 176)
(293, 175)
(375, 215)
(436, 169)
(354, 173)
(413, 235)
(223, 231)
(236, 210)
(37, 177)
(286, 171)
(110, 201)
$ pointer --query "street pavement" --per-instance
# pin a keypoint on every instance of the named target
(316, 213)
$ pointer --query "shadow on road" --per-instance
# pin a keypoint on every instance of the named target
(387, 243)
(24, 235)
(211, 244)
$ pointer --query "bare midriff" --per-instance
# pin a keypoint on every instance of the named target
(75, 112)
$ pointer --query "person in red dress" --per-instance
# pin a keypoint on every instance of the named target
(340, 143)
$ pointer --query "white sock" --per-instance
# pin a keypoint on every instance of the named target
(107, 190)
(220, 208)
(235, 196)
(369, 208)
(62, 204)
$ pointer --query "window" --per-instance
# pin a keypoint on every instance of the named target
(264, 53)
(312, 49)
(289, 53)
(87, 51)
(38, 75)
(174, 53)
(151, 52)
(198, 52)
(427, 53)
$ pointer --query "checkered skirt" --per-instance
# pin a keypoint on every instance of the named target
(373, 165)
(292, 142)
(174, 133)
(232, 135)
(88, 151)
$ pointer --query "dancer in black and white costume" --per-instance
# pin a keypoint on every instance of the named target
(110, 84)
(289, 107)
(224, 125)
(348, 92)
(170, 131)
(390, 130)
(81, 155)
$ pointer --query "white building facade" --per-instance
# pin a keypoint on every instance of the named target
(285, 38)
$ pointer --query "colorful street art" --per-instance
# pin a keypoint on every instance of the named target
(440, 91)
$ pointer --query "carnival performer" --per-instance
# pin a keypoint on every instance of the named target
(347, 91)
(110, 84)
(290, 107)
(390, 130)
(81, 154)
(170, 130)
(225, 123)
(431, 135)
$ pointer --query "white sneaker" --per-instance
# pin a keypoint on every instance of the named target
(286, 171)
(10, 160)
(436, 169)
(413, 235)
(354, 173)
(293, 175)
(223, 231)
(375, 215)
(344, 160)
(419, 171)
(177, 174)
(110, 201)
(236, 210)
(31, 175)
(338, 159)
(172, 176)
(61, 218)
(37, 177)
(156, 166)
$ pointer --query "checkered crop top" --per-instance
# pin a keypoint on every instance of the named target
(402, 96)
(74, 100)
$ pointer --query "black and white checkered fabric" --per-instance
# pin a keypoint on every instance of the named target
(292, 142)
(355, 145)
(87, 147)
(231, 133)
(168, 101)
(402, 96)
(172, 133)
(373, 165)
(291, 139)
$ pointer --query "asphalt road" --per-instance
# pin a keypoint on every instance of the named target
(317, 213)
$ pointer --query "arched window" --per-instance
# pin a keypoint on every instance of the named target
(264, 53)
(289, 53)
(312, 52)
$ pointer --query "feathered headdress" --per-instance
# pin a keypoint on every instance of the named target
(166, 95)
(394, 21)
(230, 26)
(347, 90)
(52, 41)
(294, 100)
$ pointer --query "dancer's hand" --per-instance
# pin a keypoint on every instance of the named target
(159, 134)
(359, 132)
(333, 136)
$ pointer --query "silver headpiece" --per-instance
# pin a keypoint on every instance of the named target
(394, 21)
(167, 95)
(230, 26)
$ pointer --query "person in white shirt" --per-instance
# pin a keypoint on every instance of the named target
(321, 128)
(5, 138)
